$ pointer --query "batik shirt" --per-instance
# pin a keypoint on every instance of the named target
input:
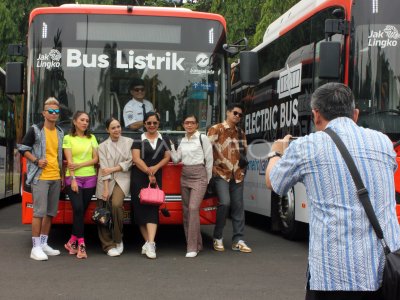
(225, 141)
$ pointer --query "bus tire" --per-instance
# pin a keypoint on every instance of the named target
(290, 228)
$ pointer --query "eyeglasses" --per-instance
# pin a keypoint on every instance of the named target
(53, 111)
(189, 123)
(137, 90)
(236, 113)
(149, 123)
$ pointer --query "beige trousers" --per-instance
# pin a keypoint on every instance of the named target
(109, 238)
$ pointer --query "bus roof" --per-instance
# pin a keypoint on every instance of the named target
(123, 10)
(296, 15)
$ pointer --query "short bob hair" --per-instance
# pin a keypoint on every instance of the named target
(333, 100)
(150, 114)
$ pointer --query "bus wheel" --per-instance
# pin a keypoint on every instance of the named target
(290, 228)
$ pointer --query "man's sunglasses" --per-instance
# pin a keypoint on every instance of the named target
(149, 123)
(138, 90)
(53, 111)
(236, 113)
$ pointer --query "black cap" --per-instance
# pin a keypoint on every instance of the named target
(136, 82)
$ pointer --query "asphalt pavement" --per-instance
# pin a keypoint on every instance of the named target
(275, 270)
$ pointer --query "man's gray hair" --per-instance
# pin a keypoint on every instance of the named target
(333, 100)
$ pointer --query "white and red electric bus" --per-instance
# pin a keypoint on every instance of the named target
(294, 58)
(86, 55)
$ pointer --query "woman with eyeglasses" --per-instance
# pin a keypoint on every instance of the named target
(113, 184)
(149, 154)
(80, 149)
(195, 152)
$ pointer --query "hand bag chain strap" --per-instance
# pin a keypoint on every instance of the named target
(362, 192)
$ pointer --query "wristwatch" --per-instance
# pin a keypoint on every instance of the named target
(36, 162)
(273, 154)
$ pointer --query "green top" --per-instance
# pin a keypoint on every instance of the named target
(82, 150)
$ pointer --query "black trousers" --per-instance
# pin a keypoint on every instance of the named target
(80, 202)
(344, 295)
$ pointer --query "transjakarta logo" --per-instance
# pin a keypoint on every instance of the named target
(384, 38)
(50, 60)
(170, 61)
(289, 81)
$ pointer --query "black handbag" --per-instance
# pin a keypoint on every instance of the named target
(102, 214)
(391, 272)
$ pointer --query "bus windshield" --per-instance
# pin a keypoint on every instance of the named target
(88, 61)
(376, 60)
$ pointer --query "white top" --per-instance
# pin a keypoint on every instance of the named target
(190, 152)
(133, 111)
(153, 143)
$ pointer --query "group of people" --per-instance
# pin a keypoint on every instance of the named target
(121, 166)
(346, 259)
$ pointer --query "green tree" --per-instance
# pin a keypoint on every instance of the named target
(241, 17)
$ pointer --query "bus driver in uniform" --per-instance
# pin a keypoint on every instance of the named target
(137, 107)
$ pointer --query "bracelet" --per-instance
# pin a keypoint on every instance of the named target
(73, 177)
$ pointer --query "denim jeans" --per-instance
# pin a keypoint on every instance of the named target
(230, 195)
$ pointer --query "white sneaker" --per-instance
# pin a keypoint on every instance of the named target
(144, 247)
(113, 252)
(151, 250)
(120, 247)
(50, 251)
(38, 254)
(191, 254)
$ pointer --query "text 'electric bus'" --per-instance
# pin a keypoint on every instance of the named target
(362, 50)
(10, 133)
(86, 56)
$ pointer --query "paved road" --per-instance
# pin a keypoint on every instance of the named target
(275, 270)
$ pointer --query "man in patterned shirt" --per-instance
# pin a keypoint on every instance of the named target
(228, 177)
(346, 259)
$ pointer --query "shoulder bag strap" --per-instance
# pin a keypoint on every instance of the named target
(201, 143)
(362, 192)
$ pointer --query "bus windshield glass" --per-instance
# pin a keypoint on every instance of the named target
(376, 60)
(88, 61)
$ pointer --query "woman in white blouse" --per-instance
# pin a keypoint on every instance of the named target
(197, 159)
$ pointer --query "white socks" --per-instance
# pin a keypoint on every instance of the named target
(38, 241)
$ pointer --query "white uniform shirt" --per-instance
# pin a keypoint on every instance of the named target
(190, 152)
(133, 111)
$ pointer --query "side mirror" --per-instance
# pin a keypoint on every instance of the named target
(14, 78)
(249, 67)
(329, 60)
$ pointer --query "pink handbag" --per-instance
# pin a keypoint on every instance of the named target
(152, 196)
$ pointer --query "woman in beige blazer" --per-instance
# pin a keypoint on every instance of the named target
(113, 184)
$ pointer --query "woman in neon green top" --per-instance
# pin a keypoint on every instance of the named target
(80, 149)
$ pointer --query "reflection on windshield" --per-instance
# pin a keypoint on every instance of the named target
(104, 91)
(376, 78)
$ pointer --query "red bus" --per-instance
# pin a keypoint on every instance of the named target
(86, 55)
(354, 42)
